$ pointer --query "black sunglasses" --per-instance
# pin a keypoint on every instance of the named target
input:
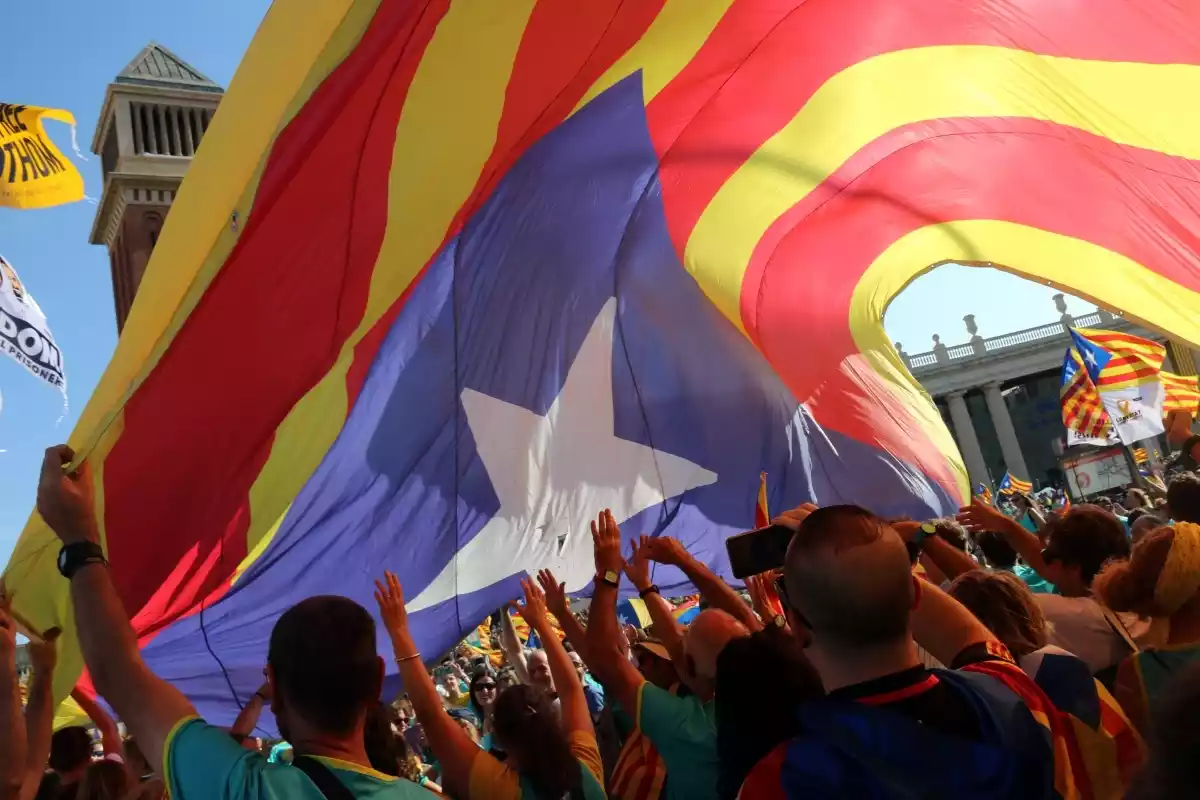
(481, 686)
(781, 590)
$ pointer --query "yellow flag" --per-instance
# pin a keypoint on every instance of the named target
(33, 172)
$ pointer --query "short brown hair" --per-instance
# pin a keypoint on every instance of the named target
(1086, 536)
(1002, 602)
(851, 607)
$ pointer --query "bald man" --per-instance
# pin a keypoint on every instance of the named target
(890, 727)
(682, 729)
(539, 671)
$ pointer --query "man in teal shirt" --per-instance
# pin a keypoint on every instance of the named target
(682, 729)
(322, 666)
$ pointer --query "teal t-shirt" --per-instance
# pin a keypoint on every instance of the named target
(684, 732)
(1036, 583)
(205, 762)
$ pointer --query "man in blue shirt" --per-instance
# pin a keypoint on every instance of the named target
(321, 663)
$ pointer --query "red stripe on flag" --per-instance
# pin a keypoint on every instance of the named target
(742, 88)
(269, 327)
(796, 304)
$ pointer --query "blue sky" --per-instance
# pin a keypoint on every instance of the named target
(70, 278)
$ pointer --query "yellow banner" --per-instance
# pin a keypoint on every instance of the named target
(33, 172)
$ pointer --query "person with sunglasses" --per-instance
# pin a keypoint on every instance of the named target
(1071, 551)
(482, 701)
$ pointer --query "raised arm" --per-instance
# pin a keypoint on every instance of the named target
(949, 560)
(12, 727)
(39, 710)
(247, 718)
(609, 663)
(980, 517)
(575, 715)
(666, 628)
(510, 643)
(110, 734)
(717, 593)
(944, 626)
(451, 746)
(556, 602)
(149, 706)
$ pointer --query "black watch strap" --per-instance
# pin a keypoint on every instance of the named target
(77, 555)
(651, 589)
(610, 577)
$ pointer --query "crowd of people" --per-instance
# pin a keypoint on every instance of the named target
(990, 655)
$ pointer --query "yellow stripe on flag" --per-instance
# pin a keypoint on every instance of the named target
(1180, 393)
(667, 46)
(1134, 104)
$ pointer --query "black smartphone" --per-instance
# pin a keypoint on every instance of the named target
(757, 551)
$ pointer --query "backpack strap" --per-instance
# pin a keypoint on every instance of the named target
(327, 783)
(1118, 627)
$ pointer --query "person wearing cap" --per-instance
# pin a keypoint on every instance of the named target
(654, 662)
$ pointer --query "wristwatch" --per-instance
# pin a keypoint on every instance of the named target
(649, 590)
(79, 554)
(611, 577)
(926, 530)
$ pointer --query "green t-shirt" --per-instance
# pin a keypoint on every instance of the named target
(684, 732)
(205, 762)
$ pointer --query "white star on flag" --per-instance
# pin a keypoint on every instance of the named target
(553, 474)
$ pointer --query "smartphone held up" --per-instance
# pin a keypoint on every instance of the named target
(758, 551)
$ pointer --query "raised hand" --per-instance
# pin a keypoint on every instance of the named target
(637, 567)
(981, 517)
(555, 592)
(606, 543)
(792, 519)
(664, 550)
(390, 597)
(64, 499)
(534, 607)
(43, 655)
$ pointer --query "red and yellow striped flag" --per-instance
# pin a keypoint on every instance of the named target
(1182, 393)
(762, 516)
(365, 144)
(1082, 409)
(1133, 359)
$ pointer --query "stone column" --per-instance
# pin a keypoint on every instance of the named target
(968, 443)
(1010, 446)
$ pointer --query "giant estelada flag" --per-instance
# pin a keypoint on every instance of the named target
(449, 277)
